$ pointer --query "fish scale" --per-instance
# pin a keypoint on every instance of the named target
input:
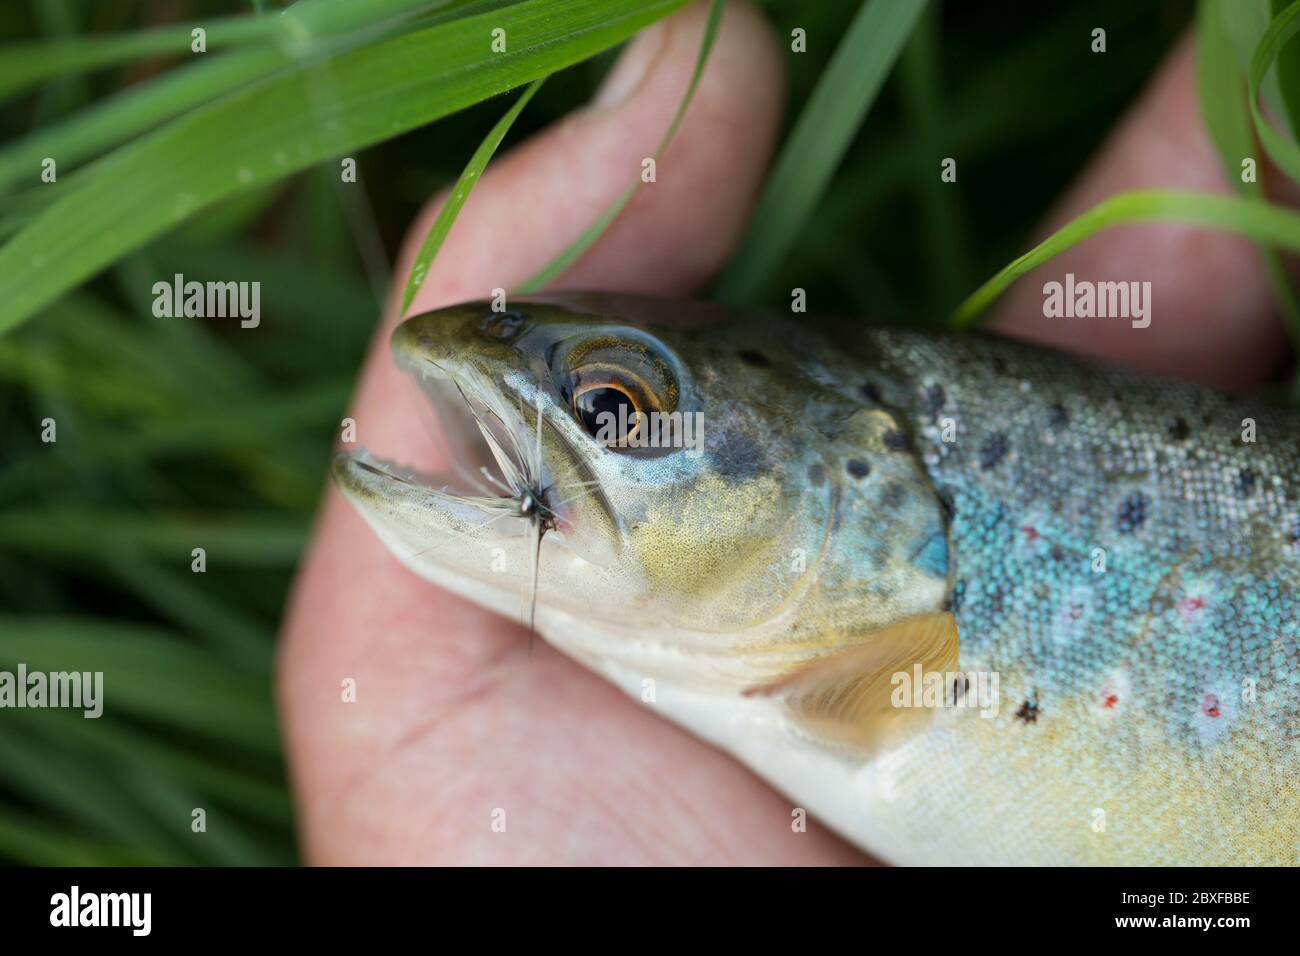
(1113, 565)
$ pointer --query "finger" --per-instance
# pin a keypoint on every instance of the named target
(452, 717)
(1211, 306)
(540, 198)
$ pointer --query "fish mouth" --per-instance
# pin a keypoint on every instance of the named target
(496, 490)
(489, 472)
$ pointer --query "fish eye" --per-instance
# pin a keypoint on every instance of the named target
(613, 383)
(608, 411)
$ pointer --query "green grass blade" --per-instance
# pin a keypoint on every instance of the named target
(26, 64)
(78, 791)
(460, 192)
(149, 674)
(161, 832)
(141, 753)
(33, 842)
(131, 112)
(819, 140)
(146, 105)
(593, 232)
(281, 125)
(248, 540)
(1254, 219)
(1222, 90)
(948, 267)
(150, 781)
(1280, 31)
(21, 208)
(297, 32)
(241, 639)
(1288, 72)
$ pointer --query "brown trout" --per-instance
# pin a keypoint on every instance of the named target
(964, 600)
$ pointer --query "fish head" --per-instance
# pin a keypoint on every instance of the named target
(677, 483)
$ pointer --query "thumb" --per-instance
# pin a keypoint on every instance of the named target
(535, 202)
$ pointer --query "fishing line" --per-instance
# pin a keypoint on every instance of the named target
(539, 529)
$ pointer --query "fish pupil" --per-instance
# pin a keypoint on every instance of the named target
(606, 407)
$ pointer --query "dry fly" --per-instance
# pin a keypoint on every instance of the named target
(523, 494)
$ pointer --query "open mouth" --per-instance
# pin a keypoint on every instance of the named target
(492, 470)
(508, 474)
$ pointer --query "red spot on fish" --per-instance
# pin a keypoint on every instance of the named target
(1109, 699)
(1210, 706)
(1076, 611)
(1189, 607)
(1031, 533)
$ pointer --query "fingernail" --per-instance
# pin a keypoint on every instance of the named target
(632, 67)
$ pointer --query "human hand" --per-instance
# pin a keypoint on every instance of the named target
(453, 717)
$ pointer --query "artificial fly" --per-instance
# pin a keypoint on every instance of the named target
(519, 490)
(521, 485)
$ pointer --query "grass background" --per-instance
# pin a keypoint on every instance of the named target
(181, 433)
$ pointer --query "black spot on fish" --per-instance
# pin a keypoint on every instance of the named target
(737, 456)
(1132, 512)
(816, 475)
(895, 440)
(993, 450)
(935, 398)
(1294, 537)
(1057, 553)
(1247, 482)
(1180, 430)
(1058, 416)
(857, 468)
(999, 365)
(870, 393)
(752, 357)
(1028, 712)
(895, 495)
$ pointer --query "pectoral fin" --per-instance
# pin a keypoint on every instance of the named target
(847, 697)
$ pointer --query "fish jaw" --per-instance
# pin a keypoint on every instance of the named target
(512, 537)
(444, 537)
